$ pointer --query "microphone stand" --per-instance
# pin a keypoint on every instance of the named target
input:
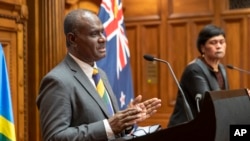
(198, 98)
(186, 105)
(236, 68)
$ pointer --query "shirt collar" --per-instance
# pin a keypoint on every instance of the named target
(86, 68)
(209, 67)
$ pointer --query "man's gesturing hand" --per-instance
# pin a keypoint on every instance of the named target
(147, 107)
(123, 119)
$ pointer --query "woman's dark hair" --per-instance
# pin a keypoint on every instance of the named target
(208, 32)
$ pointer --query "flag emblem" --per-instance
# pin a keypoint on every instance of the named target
(117, 61)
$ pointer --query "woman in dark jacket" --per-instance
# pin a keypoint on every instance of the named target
(205, 73)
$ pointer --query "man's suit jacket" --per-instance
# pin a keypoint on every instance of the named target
(197, 78)
(70, 107)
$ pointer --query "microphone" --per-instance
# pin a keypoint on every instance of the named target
(236, 68)
(198, 98)
(186, 105)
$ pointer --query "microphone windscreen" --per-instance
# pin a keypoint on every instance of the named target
(230, 66)
(148, 57)
(198, 96)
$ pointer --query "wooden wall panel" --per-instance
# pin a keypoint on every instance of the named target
(149, 43)
(237, 25)
(237, 50)
(88, 4)
(183, 8)
(136, 9)
(132, 35)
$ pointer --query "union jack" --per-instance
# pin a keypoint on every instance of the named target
(117, 62)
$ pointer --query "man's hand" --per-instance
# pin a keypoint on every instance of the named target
(137, 111)
(124, 119)
(147, 107)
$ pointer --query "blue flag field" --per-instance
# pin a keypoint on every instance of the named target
(7, 128)
(116, 64)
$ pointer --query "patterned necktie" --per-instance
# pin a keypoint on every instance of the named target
(102, 91)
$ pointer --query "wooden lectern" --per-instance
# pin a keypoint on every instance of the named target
(219, 110)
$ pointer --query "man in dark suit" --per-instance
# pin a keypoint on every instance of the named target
(69, 104)
(205, 73)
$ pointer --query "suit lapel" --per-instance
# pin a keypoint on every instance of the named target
(81, 77)
(224, 75)
(213, 84)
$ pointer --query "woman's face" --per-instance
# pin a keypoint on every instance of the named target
(215, 48)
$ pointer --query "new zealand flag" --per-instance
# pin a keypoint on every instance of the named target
(117, 61)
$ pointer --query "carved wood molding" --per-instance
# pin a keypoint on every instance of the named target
(16, 12)
(71, 2)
